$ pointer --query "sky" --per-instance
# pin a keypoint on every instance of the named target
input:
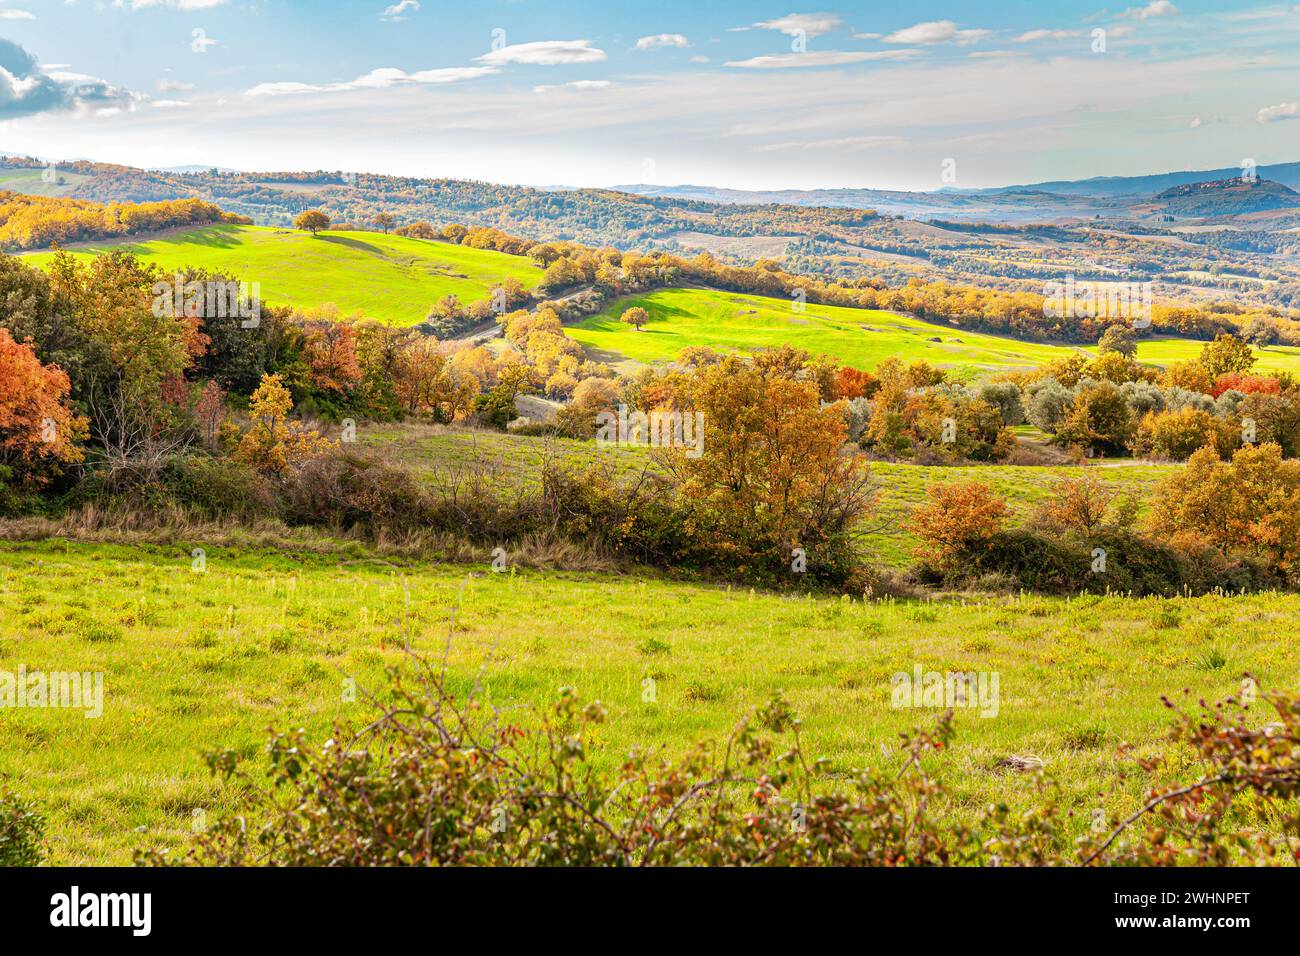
(747, 95)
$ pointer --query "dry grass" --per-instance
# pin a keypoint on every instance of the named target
(173, 527)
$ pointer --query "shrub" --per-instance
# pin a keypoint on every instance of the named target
(22, 831)
(348, 490)
(958, 519)
(774, 477)
(433, 781)
(273, 445)
(1049, 403)
(217, 487)
(1005, 397)
(1099, 420)
(1142, 397)
(1109, 560)
(1077, 505)
(1174, 436)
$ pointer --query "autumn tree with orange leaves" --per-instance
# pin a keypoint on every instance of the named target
(1247, 505)
(38, 430)
(773, 477)
(957, 518)
(331, 353)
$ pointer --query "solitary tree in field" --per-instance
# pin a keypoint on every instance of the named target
(636, 317)
(384, 221)
(313, 220)
(1118, 338)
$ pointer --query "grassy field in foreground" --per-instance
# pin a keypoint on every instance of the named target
(196, 661)
(390, 278)
(516, 458)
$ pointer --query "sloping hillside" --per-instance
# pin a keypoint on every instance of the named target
(1226, 197)
(391, 278)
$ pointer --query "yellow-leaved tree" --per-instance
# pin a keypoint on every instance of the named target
(273, 445)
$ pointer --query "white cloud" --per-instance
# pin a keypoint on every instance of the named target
(544, 53)
(380, 79)
(168, 104)
(398, 10)
(1283, 111)
(805, 24)
(699, 59)
(173, 86)
(575, 85)
(786, 61)
(662, 39)
(1033, 36)
(27, 89)
(284, 88)
(16, 15)
(937, 31)
(1156, 8)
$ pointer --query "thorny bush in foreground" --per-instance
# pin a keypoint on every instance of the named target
(434, 781)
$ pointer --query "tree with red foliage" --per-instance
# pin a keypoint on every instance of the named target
(1246, 384)
(854, 383)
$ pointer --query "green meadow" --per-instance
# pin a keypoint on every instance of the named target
(390, 278)
(197, 660)
(863, 338)
(734, 322)
(33, 182)
(1166, 351)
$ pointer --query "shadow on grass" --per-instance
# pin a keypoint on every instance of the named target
(213, 237)
(357, 244)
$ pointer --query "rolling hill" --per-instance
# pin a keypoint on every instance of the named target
(396, 279)
(391, 278)
(1226, 197)
(862, 338)
(733, 322)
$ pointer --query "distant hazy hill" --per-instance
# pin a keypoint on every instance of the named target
(1014, 205)
(1287, 174)
(1226, 197)
(1063, 197)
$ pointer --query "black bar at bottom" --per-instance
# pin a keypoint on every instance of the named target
(604, 906)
